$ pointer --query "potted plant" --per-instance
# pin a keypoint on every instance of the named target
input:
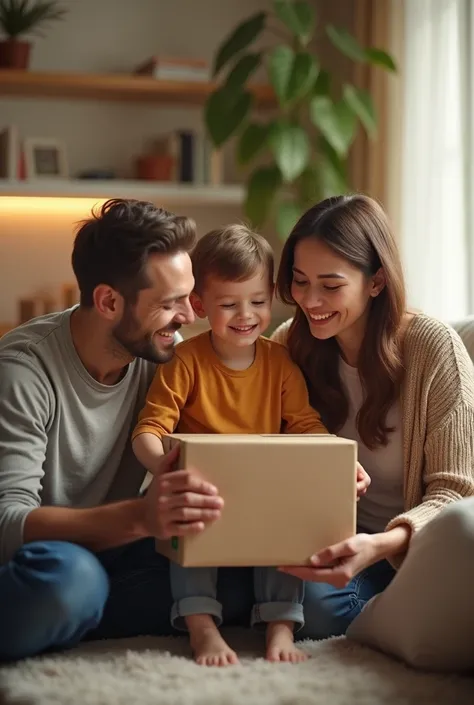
(19, 18)
(301, 151)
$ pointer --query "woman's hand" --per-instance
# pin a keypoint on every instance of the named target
(363, 481)
(338, 564)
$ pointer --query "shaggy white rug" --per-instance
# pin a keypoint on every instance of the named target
(158, 671)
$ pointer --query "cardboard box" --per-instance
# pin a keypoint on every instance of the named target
(286, 496)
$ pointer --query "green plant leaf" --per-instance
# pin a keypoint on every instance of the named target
(297, 16)
(338, 162)
(331, 171)
(292, 75)
(346, 43)
(280, 67)
(290, 147)
(309, 186)
(302, 77)
(261, 191)
(224, 113)
(380, 58)
(336, 121)
(361, 103)
(322, 85)
(324, 177)
(239, 39)
(252, 141)
(242, 70)
(330, 183)
(288, 214)
(18, 17)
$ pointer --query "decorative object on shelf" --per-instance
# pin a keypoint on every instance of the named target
(70, 295)
(97, 174)
(183, 156)
(27, 309)
(19, 18)
(6, 328)
(155, 167)
(308, 139)
(167, 68)
(10, 153)
(208, 161)
(46, 301)
(45, 158)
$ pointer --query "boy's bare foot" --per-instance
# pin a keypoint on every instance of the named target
(207, 644)
(281, 644)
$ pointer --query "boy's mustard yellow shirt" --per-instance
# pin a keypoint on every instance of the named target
(196, 393)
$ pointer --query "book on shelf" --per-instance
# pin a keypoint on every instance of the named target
(196, 161)
(175, 69)
(11, 154)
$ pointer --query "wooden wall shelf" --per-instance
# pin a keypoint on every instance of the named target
(114, 87)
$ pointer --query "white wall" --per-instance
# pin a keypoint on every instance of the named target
(35, 245)
(105, 36)
(100, 36)
(110, 36)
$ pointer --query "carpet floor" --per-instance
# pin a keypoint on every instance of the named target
(159, 671)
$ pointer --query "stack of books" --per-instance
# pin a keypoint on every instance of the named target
(195, 159)
(11, 154)
(175, 69)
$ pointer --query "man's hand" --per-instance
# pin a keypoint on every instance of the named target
(179, 502)
(363, 481)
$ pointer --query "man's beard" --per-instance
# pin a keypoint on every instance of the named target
(129, 335)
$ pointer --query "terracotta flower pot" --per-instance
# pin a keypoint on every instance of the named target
(155, 167)
(14, 54)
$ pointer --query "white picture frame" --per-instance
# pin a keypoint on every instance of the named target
(45, 158)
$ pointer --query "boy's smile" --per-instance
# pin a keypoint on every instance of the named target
(238, 312)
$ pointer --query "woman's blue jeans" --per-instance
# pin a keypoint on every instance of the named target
(53, 594)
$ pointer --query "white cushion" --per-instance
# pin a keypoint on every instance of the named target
(426, 615)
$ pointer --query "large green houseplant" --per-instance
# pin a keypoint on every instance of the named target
(301, 150)
(21, 18)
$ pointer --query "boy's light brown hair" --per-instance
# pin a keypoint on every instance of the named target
(233, 253)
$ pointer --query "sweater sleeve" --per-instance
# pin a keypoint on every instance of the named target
(447, 453)
(448, 467)
(166, 397)
(25, 409)
(297, 413)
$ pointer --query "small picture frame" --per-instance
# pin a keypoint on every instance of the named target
(45, 158)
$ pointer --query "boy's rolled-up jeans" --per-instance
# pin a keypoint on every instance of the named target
(278, 596)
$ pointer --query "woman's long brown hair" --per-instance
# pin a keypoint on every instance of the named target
(356, 228)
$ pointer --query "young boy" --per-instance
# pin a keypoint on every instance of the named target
(230, 380)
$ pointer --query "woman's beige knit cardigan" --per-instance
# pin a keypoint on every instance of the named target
(437, 403)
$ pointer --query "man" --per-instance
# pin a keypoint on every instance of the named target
(76, 553)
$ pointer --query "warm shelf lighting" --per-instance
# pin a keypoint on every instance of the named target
(29, 205)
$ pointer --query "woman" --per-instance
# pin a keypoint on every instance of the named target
(401, 385)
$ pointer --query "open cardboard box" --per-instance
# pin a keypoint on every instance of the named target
(286, 496)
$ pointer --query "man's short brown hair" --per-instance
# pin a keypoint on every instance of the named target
(113, 246)
(233, 253)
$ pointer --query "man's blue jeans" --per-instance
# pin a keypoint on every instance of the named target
(53, 594)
